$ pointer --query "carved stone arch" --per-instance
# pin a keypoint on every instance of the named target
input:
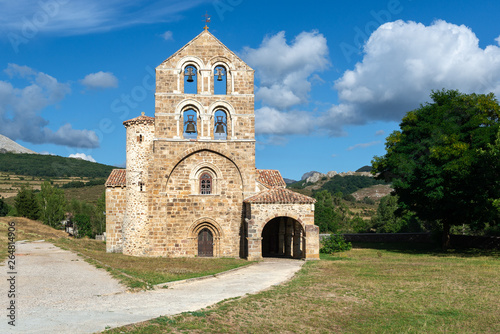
(229, 66)
(229, 109)
(286, 214)
(201, 168)
(199, 148)
(283, 234)
(181, 66)
(221, 60)
(185, 105)
(213, 226)
(190, 60)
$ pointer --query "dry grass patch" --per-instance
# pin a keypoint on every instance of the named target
(361, 291)
(134, 272)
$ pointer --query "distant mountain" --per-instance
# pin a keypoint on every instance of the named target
(8, 145)
(308, 174)
(364, 169)
(51, 166)
(289, 181)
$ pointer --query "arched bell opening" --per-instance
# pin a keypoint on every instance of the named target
(190, 129)
(283, 237)
(190, 80)
(220, 125)
(220, 80)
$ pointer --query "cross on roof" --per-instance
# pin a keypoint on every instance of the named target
(207, 20)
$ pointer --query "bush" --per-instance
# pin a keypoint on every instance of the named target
(335, 243)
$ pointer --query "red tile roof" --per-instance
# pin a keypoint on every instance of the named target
(270, 178)
(141, 119)
(117, 178)
(279, 195)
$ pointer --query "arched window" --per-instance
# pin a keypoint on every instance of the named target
(220, 125)
(190, 124)
(190, 80)
(205, 184)
(220, 80)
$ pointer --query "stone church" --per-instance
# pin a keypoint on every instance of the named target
(190, 187)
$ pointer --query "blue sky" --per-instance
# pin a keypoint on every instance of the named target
(333, 78)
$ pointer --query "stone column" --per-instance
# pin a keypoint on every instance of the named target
(297, 233)
(281, 233)
(312, 242)
(288, 237)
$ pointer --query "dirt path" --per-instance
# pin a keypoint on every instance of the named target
(57, 292)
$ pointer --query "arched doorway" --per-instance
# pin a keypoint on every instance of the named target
(283, 237)
(205, 243)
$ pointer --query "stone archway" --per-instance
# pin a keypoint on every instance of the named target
(205, 237)
(283, 237)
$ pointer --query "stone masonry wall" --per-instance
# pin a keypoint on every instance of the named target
(179, 208)
(135, 230)
(258, 215)
(115, 210)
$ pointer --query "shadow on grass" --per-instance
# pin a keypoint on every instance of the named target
(426, 249)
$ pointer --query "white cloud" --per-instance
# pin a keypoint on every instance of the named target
(100, 80)
(83, 17)
(363, 145)
(285, 70)
(270, 121)
(82, 156)
(20, 110)
(402, 63)
(380, 133)
(168, 35)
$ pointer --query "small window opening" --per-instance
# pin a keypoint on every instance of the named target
(205, 184)
(140, 138)
(190, 80)
(190, 124)
(141, 186)
(220, 125)
(220, 80)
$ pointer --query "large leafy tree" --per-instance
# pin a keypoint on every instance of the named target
(52, 204)
(443, 163)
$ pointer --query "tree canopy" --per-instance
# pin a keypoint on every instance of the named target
(444, 162)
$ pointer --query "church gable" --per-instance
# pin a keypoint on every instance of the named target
(206, 50)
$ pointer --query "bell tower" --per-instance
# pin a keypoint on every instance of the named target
(203, 147)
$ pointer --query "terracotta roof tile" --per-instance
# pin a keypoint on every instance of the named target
(270, 178)
(141, 119)
(279, 195)
(117, 178)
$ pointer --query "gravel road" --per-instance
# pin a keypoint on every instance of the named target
(58, 292)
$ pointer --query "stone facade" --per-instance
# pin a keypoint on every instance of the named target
(162, 207)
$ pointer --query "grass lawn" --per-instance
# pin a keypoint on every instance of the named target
(365, 290)
(134, 272)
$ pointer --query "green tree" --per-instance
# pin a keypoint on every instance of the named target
(26, 204)
(324, 212)
(83, 226)
(52, 204)
(4, 208)
(386, 220)
(99, 223)
(442, 163)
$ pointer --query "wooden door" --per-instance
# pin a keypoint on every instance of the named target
(205, 243)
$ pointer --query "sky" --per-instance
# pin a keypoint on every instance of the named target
(332, 78)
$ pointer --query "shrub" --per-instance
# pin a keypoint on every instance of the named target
(335, 243)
